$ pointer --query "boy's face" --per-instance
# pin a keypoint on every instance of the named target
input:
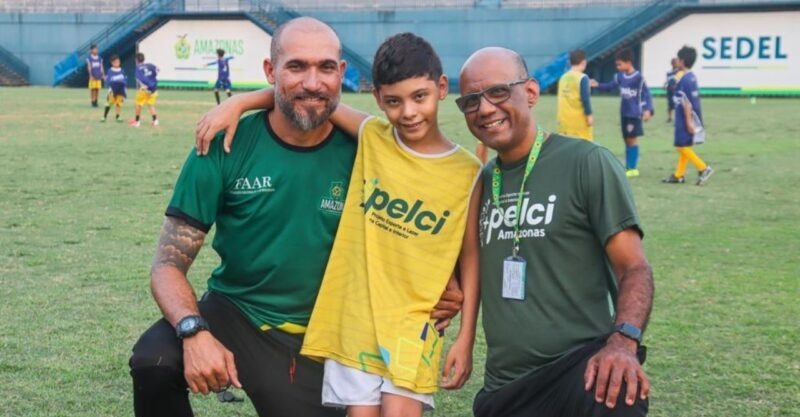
(623, 66)
(412, 105)
(115, 63)
(94, 51)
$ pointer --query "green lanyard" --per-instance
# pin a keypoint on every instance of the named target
(497, 184)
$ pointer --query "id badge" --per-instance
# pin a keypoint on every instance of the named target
(514, 278)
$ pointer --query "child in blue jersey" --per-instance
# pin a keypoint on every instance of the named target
(117, 82)
(223, 74)
(689, 128)
(636, 106)
(94, 66)
(669, 86)
(147, 85)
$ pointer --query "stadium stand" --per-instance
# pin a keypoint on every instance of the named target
(13, 72)
(47, 32)
(67, 6)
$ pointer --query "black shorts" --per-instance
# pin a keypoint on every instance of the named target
(279, 382)
(556, 390)
(631, 127)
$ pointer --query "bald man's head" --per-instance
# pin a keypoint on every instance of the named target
(501, 94)
(495, 54)
(295, 29)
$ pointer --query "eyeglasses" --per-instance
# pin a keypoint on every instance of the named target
(495, 94)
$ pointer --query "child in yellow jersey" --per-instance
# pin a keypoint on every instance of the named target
(409, 216)
(574, 106)
(409, 223)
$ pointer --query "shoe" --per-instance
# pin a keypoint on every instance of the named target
(103, 120)
(155, 123)
(120, 120)
(704, 175)
(672, 179)
(134, 123)
(632, 173)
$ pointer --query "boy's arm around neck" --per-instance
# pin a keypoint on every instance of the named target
(348, 119)
(225, 116)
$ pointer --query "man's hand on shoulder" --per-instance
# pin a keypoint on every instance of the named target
(207, 365)
(614, 364)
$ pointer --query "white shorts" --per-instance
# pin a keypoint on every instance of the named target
(343, 386)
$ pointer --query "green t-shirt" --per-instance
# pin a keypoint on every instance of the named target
(276, 208)
(575, 199)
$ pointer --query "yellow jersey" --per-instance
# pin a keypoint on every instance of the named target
(571, 116)
(397, 245)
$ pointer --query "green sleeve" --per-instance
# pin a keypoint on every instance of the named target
(198, 192)
(608, 198)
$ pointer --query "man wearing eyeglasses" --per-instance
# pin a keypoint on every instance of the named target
(565, 286)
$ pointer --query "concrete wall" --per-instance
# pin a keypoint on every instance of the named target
(538, 34)
(43, 39)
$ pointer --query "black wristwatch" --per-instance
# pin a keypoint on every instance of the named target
(630, 331)
(189, 326)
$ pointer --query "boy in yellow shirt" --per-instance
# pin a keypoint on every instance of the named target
(574, 105)
(409, 221)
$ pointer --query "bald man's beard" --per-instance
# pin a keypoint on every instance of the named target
(306, 118)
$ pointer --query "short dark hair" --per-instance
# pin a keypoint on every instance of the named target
(113, 57)
(624, 55)
(404, 56)
(139, 57)
(688, 55)
(94, 45)
(576, 56)
(220, 52)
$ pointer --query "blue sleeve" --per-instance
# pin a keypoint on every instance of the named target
(585, 93)
(609, 86)
(648, 99)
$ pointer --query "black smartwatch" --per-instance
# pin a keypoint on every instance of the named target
(630, 331)
(189, 326)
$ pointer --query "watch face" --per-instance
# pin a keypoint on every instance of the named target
(188, 324)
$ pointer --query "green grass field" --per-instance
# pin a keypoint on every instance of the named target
(82, 203)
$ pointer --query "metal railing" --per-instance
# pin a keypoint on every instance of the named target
(274, 13)
(627, 26)
(15, 64)
(121, 27)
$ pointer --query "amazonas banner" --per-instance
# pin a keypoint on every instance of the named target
(185, 52)
(746, 53)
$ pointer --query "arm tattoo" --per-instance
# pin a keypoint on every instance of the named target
(178, 245)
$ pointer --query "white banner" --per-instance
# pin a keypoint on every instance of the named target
(185, 52)
(756, 52)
